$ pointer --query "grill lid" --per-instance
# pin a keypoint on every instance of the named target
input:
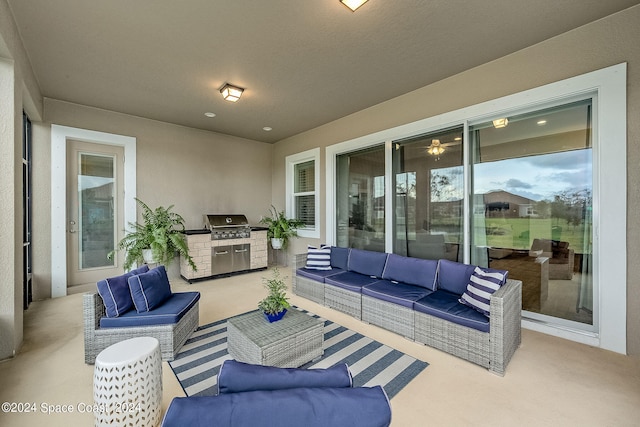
(212, 221)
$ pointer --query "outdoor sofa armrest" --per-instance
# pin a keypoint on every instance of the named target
(505, 324)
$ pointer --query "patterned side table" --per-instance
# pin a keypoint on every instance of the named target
(127, 383)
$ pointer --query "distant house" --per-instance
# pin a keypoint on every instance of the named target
(503, 204)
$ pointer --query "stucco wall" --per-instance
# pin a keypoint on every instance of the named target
(196, 171)
(598, 45)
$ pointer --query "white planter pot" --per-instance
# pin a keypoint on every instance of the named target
(276, 243)
(147, 254)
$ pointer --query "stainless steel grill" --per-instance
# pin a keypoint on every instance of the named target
(229, 258)
(227, 226)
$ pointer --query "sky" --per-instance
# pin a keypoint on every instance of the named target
(537, 177)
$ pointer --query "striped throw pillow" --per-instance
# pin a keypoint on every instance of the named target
(319, 258)
(482, 284)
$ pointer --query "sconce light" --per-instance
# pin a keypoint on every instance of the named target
(500, 123)
(353, 4)
(231, 93)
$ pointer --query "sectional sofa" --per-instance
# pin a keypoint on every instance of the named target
(465, 310)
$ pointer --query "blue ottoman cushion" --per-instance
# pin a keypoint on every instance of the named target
(308, 407)
(235, 377)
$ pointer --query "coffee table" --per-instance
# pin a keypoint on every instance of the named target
(288, 343)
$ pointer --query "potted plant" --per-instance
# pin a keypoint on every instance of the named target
(275, 304)
(159, 234)
(280, 228)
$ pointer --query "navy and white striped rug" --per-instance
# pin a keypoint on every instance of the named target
(371, 363)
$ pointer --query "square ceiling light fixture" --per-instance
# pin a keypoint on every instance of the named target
(231, 93)
(500, 123)
(353, 4)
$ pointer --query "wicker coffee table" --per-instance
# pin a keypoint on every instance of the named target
(288, 343)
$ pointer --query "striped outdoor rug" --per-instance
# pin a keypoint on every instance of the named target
(371, 363)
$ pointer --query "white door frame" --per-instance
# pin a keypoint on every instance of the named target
(59, 136)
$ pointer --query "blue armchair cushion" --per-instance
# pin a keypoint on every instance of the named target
(115, 292)
(368, 263)
(445, 305)
(396, 293)
(235, 377)
(318, 258)
(412, 271)
(150, 289)
(454, 276)
(339, 257)
(482, 284)
(308, 407)
(173, 309)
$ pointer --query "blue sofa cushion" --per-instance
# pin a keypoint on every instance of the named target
(482, 284)
(235, 377)
(308, 407)
(367, 262)
(454, 276)
(318, 258)
(412, 271)
(445, 305)
(318, 275)
(350, 281)
(340, 257)
(115, 292)
(173, 309)
(397, 293)
(149, 290)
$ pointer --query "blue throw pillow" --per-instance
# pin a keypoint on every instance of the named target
(319, 258)
(482, 284)
(236, 377)
(115, 293)
(150, 289)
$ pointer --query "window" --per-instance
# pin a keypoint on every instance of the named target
(303, 192)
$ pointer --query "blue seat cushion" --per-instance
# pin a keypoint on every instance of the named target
(412, 271)
(235, 377)
(308, 407)
(339, 257)
(173, 309)
(350, 281)
(115, 292)
(368, 263)
(397, 293)
(149, 290)
(445, 305)
(317, 275)
(454, 276)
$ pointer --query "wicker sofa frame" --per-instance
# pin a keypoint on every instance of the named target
(171, 336)
(492, 350)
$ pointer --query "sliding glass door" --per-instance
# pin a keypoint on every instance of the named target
(532, 206)
(428, 185)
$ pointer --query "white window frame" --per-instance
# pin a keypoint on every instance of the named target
(291, 162)
(609, 86)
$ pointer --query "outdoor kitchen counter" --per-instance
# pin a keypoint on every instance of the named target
(200, 246)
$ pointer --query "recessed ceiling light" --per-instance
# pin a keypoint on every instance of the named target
(542, 122)
(210, 114)
(267, 128)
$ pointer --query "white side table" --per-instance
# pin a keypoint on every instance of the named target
(127, 383)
